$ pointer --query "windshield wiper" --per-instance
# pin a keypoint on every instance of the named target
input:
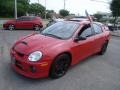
(51, 35)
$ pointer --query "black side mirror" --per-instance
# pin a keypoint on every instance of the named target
(78, 38)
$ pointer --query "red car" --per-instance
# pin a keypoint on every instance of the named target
(55, 49)
(24, 22)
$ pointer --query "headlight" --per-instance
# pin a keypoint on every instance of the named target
(35, 56)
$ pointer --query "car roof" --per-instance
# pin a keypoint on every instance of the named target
(85, 22)
(57, 20)
(78, 19)
(81, 22)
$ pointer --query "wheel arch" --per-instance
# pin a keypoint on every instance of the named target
(107, 41)
(67, 53)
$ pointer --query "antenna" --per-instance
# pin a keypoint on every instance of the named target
(88, 16)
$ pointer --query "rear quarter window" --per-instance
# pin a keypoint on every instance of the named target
(97, 28)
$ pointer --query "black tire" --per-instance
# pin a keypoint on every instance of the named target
(37, 28)
(103, 49)
(60, 66)
(11, 27)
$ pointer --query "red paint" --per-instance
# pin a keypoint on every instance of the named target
(24, 24)
(51, 48)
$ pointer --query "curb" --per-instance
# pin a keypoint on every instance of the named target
(117, 34)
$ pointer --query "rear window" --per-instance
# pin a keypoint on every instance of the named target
(97, 28)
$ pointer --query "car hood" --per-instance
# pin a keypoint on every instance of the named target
(37, 42)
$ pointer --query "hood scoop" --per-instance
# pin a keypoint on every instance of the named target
(25, 43)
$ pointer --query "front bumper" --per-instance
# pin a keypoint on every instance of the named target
(30, 69)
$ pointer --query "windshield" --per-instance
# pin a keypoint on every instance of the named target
(51, 23)
(61, 30)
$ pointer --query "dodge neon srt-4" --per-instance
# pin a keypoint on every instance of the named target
(51, 52)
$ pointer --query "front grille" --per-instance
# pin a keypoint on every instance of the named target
(18, 64)
(20, 54)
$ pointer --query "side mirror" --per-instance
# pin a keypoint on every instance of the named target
(78, 38)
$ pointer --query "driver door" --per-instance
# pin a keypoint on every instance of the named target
(84, 48)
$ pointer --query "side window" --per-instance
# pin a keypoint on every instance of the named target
(87, 32)
(24, 19)
(97, 28)
(20, 19)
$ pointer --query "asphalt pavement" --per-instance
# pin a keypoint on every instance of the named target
(94, 73)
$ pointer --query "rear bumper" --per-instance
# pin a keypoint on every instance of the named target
(5, 26)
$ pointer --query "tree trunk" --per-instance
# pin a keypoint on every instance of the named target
(115, 19)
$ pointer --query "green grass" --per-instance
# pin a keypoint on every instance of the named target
(1, 26)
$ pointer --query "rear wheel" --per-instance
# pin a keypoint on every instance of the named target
(60, 66)
(103, 49)
(11, 27)
(37, 27)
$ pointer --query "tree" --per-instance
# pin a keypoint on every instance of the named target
(7, 7)
(49, 13)
(22, 6)
(63, 12)
(98, 16)
(115, 8)
(37, 9)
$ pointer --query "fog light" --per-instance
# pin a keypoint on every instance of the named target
(32, 69)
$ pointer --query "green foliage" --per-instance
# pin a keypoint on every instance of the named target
(48, 13)
(115, 8)
(37, 9)
(1, 26)
(7, 7)
(23, 7)
(63, 12)
(98, 16)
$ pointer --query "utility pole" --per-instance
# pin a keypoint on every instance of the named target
(64, 4)
(38, 1)
(15, 9)
(45, 9)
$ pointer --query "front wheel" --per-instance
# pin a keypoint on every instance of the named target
(37, 28)
(60, 66)
(103, 49)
